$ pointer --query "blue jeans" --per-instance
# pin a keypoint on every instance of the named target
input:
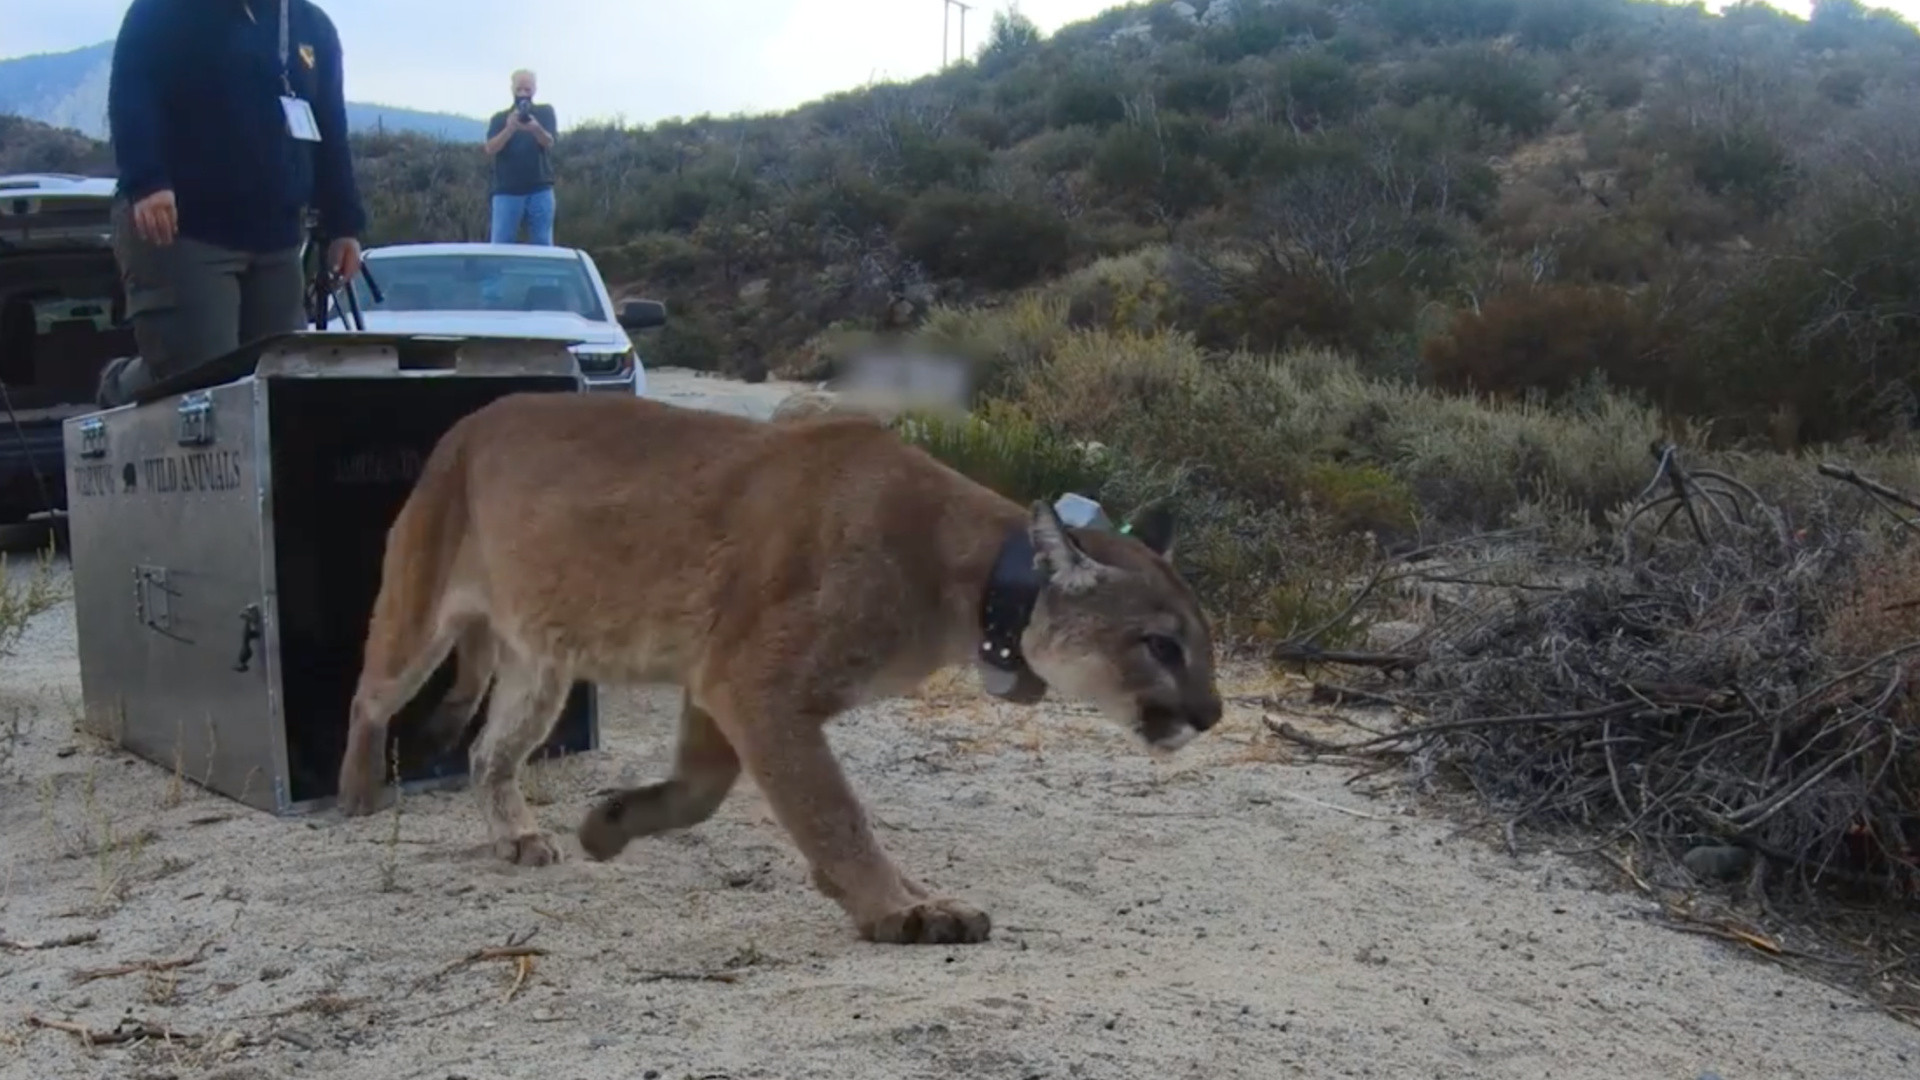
(536, 209)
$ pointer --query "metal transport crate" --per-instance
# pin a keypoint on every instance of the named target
(227, 529)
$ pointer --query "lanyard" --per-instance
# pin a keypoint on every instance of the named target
(286, 83)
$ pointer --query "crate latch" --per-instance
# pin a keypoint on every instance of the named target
(196, 419)
(152, 599)
(93, 437)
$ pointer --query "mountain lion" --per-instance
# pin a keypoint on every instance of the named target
(780, 574)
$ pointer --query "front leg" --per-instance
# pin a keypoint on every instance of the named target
(795, 769)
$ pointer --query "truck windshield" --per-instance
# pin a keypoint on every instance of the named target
(503, 282)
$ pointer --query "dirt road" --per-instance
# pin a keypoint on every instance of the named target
(680, 386)
(1228, 913)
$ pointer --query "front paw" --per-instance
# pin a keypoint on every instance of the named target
(931, 922)
(359, 800)
(528, 849)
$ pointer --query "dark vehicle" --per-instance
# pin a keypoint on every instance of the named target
(61, 320)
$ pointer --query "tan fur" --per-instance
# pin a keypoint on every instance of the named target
(779, 573)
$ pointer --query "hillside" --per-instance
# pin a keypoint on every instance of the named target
(1342, 174)
(69, 90)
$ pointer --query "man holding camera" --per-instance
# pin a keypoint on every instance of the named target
(228, 123)
(518, 140)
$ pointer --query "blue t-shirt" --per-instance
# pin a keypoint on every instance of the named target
(522, 167)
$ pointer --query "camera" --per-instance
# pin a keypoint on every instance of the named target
(523, 106)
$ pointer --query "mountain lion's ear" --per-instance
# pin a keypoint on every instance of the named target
(1153, 525)
(1055, 554)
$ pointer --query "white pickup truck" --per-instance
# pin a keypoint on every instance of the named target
(524, 290)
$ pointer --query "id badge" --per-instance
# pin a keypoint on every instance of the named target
(300, 122)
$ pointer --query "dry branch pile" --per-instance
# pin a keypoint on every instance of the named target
(1685, 694)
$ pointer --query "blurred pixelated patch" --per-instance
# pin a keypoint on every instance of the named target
(908, 378)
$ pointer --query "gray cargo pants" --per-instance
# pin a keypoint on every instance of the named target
(191, 302)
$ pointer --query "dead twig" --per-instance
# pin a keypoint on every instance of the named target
(83, 938)
(1313, 742)
(140, 966)
(1335, 807)
(1869, 485)
(1335, 694)
(1297, 653)
(1617, 709)
(522, 967)
(686, 976)
(127, 1031)
(495, 952)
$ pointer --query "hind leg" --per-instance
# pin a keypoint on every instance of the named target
(704, 770)
(528, 696)
(394, 670)
(477, 654)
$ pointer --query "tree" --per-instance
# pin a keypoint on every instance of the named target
(1011, 38)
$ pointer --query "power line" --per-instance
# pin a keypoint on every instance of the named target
(946, 19)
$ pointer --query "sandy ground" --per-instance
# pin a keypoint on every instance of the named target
(680, 386)
(1227, 913)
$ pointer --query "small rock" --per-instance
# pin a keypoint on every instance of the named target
(599, 1042)
(543, 1015)
(1391, 635)
(247, 1071)
(1709, 1076)
(1717, 863)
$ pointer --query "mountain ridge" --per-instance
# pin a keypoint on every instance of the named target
(69, 90)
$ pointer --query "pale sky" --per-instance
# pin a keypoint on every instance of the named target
(641, 59)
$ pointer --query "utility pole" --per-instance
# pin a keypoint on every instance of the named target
(946, 21)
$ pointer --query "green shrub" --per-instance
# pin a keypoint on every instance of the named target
(1004, 450)
(1087, 96)
(1744, 162)
(1445, 20)
(1557, 24)
(1156, 169)
(1358, 498)
(1201, 91)
(988, 239)
(1316, 89)
(1256, 29)
(23, 601)
(1542, 340)
(1506, 90)
(1846, 87)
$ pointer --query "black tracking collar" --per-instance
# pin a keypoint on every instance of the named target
(1012, 590)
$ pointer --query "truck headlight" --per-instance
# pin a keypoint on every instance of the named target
(604, 363)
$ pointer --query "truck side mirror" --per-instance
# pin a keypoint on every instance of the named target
(642, 314)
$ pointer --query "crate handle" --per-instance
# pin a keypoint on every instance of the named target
(93, 437)
(195, 419)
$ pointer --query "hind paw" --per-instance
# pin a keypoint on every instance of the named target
(931, 922)
(602, 834)
(528, 849)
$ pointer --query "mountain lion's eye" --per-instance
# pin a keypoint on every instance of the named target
(1165, 650)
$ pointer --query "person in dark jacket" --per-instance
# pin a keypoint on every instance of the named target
(228, 125)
